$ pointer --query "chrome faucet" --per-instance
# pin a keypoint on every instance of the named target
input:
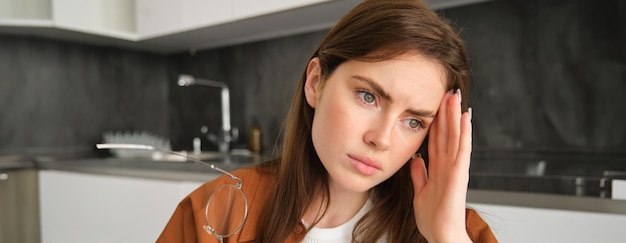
(228, 133)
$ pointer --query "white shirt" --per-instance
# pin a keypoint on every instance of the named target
(339, 234)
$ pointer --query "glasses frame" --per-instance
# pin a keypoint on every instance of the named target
(209, 229)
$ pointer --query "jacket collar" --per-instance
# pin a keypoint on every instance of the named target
(255, 186)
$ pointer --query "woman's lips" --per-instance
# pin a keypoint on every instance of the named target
(364, 165)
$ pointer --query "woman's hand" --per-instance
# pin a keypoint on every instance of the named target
(440, 193)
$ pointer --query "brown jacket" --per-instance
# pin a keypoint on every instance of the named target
(186, 224)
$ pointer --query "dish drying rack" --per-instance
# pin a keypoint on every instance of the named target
(137, 137)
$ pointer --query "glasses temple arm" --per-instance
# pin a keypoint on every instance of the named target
(148, 147)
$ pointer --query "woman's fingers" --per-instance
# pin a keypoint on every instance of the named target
(419, 175)
(445, 131)
(441, 132)
(465, 144)
(453, 126)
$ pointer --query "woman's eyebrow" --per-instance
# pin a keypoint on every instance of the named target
(375, 87)
(421, 113)
(378, 89)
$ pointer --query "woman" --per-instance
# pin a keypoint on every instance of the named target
(352, 166)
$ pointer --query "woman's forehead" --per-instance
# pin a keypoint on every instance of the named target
(413, 78)
(407, 68)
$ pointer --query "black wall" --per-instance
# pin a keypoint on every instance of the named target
(547, 74)
(58, 98)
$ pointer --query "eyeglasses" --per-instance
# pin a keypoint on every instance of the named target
(220, 218)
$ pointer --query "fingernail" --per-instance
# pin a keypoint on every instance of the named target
(458, 91)
(469, 110)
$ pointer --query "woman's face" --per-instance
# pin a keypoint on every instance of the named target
(371, 117)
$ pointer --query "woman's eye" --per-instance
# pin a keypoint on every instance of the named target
(367, 97)
(414, 123)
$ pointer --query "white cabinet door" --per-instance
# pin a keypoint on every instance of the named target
(77, 207)
(25, 9)
(156, 17)
(520, 224)
(251, 8)
(115, 18)
(163, 17)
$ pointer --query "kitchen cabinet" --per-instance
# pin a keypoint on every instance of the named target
(167, 26)
(251, 8)
(156, 18)
(19, 206)
(526, 224)
(113, 18)
(82, 207)
(254, 21)
(165, 17)
(14, 11)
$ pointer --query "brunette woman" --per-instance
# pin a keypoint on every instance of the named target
(380, 97)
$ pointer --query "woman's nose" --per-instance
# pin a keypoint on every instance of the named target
(379, 134)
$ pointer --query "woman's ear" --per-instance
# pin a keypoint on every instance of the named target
(312, 89)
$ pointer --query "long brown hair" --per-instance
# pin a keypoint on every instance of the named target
(372, 31)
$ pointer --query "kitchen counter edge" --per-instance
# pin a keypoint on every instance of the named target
(189, 171)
